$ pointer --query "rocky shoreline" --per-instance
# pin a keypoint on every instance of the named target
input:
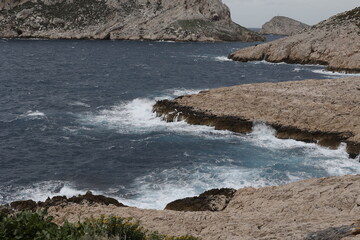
(334, 42)
(320, 111)
(185, 20)
(325, 208)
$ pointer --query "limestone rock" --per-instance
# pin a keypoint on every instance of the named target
(293, 211)
(212, 200)
(334, 42)
(319, 111)
(178, 20)
(280, 25)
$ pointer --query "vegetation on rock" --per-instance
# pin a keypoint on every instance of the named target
(38, 226)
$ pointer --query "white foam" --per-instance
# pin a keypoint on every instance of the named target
(337, 74)
(159, 188)
(78, 103)
(222, 59)
(264, 136)
(33, 115)
(269, 63)
(42, 190)
(136, 117)
(298, 69)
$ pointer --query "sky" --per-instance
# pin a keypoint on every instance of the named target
(254, 13)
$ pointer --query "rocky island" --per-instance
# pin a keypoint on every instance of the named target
(281, 25)
(334, 42)
(185, 20)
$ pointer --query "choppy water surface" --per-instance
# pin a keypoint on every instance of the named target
(77, 116)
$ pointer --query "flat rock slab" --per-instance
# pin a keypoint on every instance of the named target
(323, 111)
(294, 211)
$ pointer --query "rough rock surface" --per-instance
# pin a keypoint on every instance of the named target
(178, 20)
(86, 199)
(280, 25)
(334, 42)
(212, 200)
(292, 212)
(322, 111)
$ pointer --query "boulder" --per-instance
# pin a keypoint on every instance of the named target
(212, 200)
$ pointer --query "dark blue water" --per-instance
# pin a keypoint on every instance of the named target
(76, 116)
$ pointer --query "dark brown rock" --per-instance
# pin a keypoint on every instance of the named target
(26, 205)
(91, 199)
(212, 200)
(88, 198)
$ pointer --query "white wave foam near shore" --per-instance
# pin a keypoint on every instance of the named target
(222, 59)
(336, 74)
(158, 188)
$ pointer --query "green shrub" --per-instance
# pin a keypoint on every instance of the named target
(39, 226)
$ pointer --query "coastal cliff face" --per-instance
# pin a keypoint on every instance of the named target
(334, 42)
(183, 20)
(280, 25)
(320, 111)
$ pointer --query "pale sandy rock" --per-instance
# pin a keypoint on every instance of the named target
(334, 42)
(184, 20)
(323, 111)
(280, 25)
(286, 212)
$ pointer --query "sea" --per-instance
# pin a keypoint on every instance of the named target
(76, 116)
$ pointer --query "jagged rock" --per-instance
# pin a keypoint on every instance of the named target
(280, 25)
(212, 200)
(334, 42)
(90, 198)
(184, 20)
(29, 205)
(87, 199)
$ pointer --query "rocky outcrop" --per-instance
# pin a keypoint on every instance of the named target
(321, 111)
(334, 42)
(280, 25)
(212, 200)
(86, 199)
(184, 20)
(294, 211)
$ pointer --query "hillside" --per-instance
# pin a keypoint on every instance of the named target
(184, 20)
(334, 42)
(280, 25)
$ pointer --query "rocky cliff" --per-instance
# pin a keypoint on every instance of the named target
(280, 25)
(178, 20)
(334, 42)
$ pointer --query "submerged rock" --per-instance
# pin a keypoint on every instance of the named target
(280, 25)
(334, 42)
(212, 200)
(184, 20)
